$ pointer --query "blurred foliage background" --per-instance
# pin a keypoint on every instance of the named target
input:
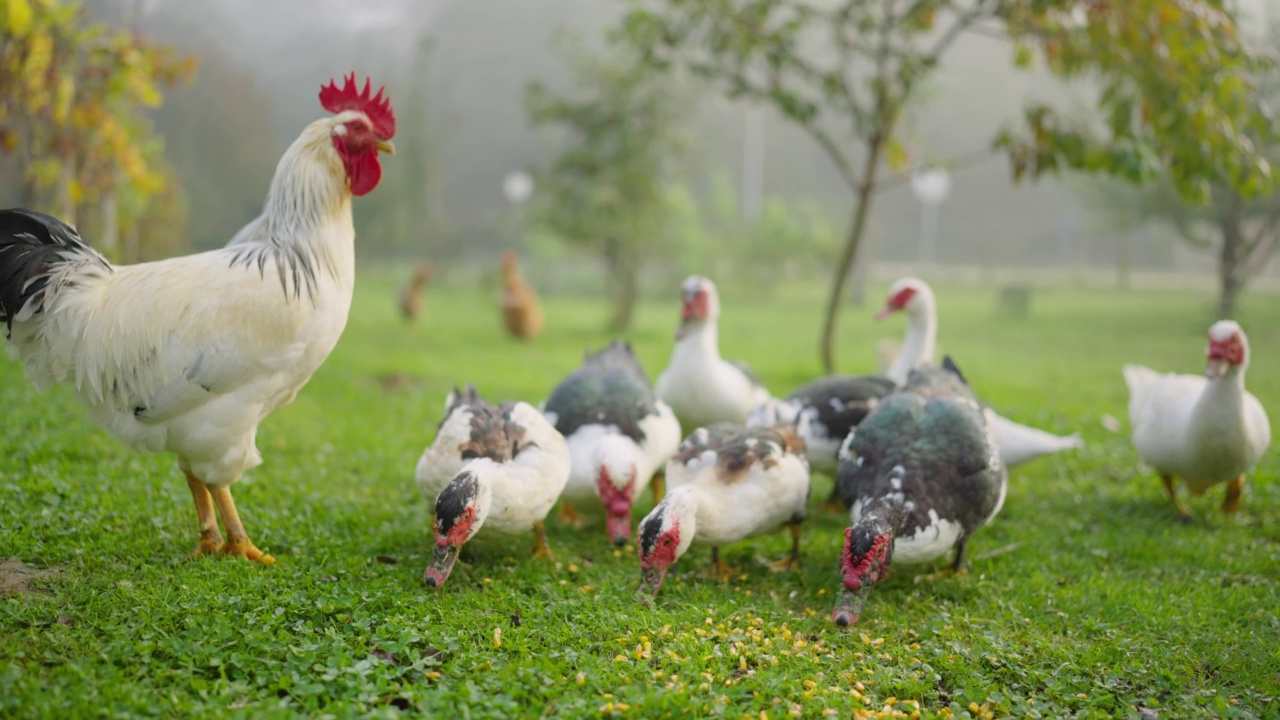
(1093, 141)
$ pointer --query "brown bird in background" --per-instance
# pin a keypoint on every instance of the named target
(411, 294)
(520, 310)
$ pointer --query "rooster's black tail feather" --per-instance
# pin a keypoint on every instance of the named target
(32, 244)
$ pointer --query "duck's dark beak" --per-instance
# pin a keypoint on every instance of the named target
(441, 566)
(651, 580)
(849, 607)
(618, 527)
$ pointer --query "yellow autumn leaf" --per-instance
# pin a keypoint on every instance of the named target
(898, 156)
(39, 55)
(64, 97)
(19, 17)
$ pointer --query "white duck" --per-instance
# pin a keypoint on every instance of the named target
(1204, 429)
(726, 483)
(700, 387)
(1018, 443)
(914, 297)
(498, 468)
(618, 433)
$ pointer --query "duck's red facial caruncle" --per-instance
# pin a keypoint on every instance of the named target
(617, 495)
(865, 559)
(449, 540)
(897, 301)
(1224, 354)
(695, 307)
(697, 302)
(863, 563)
(658, 551)
(457, 512)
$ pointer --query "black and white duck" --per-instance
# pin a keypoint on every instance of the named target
(700, 386)
(491, 468)
(823, 413)
(725, 484)
(920, 475)
(619, 434)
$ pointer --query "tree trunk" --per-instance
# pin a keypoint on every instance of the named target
(1124, 260)
(858, 293)
(1229, 276)
(624, 271)
(875, 144)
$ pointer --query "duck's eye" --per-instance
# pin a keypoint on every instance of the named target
(666, 541)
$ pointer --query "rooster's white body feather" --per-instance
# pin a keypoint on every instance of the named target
(190, 354)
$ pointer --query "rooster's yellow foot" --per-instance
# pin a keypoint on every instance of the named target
(246, 549)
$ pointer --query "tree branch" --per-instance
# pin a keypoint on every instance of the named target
(952, 164)
(765, 93)
(829, 146)
(963, 21)
(1259, 248)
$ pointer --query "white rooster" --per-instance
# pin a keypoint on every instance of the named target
(190, 354)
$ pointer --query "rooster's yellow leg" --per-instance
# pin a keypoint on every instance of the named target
(658, 487)
(1183, 510)
(238, 542)
(541, 549)
(1234, 488)
(210, 538)
(792, 561)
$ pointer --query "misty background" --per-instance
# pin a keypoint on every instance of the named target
(456, 72)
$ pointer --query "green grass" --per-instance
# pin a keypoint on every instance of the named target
(1104, 605)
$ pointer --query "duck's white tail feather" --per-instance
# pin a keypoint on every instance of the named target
(1137, 376)
(1021, 443)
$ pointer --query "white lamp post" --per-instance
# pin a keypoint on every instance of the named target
(517, 187)
(931, 187)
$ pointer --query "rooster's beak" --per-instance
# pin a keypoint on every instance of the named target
(385, 146)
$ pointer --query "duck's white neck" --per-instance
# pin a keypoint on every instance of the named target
(918, 345)
(683, 505)
(1219, 412)
(618, 456)
(700, 344)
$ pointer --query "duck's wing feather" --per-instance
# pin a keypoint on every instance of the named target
(839, 403)
(602, 394)
(932, 447)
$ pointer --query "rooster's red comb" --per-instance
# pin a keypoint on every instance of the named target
(350, 97)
